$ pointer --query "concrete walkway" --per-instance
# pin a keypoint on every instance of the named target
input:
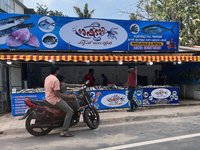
(10, 124)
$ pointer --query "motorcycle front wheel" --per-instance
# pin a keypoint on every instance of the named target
(92, 118)
(35, 131)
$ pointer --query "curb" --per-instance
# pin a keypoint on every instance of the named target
(144, 118)
(113, 121)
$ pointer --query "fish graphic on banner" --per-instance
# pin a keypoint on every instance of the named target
(156, 29)
(45, 24)
(15, 33)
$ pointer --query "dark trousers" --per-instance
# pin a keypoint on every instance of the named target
(131, 91)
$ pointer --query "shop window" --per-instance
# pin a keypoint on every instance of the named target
(2, 5)
(9, 6)
(8, 2)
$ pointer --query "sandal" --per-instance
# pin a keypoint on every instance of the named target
(67, 134)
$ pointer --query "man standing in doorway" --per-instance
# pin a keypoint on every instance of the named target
(105, 79)
(54, 97)
(131, 84)
(155, 77)
(90, 77)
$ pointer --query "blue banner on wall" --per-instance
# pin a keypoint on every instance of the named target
(160, 96)
(114, 99)
(18, 105)
(101, 99)
(62, 33)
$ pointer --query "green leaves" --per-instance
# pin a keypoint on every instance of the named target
(186, 12)
(43, 10)
(86, 13)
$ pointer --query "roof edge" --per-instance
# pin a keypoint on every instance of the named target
(20, 3)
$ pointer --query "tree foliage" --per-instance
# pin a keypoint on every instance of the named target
(86, 13)
(186, 12)
(133, 16)
(144, 10)
(43, 10)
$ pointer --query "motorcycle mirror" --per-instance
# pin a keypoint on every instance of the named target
(87, 82)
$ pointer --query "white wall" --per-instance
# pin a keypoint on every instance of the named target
(75, 74)
(117, 74)
(187, 90)
(19, 9)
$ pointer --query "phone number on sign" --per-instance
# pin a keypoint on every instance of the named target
(147, 47)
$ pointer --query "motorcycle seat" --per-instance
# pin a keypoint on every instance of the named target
(42, 102)
(46, 103)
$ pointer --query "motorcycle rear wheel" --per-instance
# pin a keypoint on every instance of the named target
(36, 131)
(93, 118)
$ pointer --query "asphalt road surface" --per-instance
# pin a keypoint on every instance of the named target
(160, 134)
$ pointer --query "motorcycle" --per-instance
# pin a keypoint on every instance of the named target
(42, 117)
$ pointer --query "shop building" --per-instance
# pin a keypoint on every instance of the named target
(118, 44)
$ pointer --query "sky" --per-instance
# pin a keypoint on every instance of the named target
(104, 9)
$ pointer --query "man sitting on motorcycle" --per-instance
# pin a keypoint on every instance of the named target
(64, 86)
(54, 97)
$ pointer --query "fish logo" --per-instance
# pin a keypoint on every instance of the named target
(138, 102)
(134, 97)
(145, 94)
(150, 98)
(139, 93)
(157, 29)
(171, 97)
(96, 106)
(99, 94)
(115, 99)
(95, 100)
(93, 34)
(174, 92)
(134, 28)
(50, 40)
(161, 93)
(95, 31)
(46, 24)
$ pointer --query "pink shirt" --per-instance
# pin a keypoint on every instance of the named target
(51, 84)
(131, 79)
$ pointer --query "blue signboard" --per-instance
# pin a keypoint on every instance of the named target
(39, 32)
(114, 99)
(18, 105)
(160, 96)
(101, 100)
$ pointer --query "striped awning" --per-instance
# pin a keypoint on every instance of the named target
(101, 58)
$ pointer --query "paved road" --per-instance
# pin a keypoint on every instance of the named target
(161, 134)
